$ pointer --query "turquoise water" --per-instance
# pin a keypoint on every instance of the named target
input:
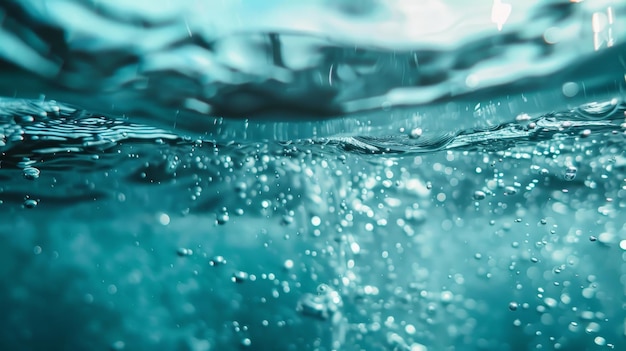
(387, 175)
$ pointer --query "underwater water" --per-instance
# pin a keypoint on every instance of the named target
(312, 175)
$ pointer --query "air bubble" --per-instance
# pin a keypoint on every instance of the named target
(287, 219)
(513, 306)
(118, 345)
(313, 306)
(217, 261)
(30, 203)
(321, 306)
(550, 302)
(184, 252)
(164, 219)
(323, 289)
(570, 173)
(410, 329)
(570, 89)
(479, 195)
(241, 187)
(415, 133)
(25, 119)
(509, 190)
(446, 296)
(600, 341)
(31, 173)
(239, 277)
(316, 221)
(222, 218)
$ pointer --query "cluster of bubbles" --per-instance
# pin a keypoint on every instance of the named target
(411, 252)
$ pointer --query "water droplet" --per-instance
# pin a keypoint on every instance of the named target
(570, 173)
(30, 203)
(31, 173)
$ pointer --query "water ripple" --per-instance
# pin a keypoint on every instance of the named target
(189, 66)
